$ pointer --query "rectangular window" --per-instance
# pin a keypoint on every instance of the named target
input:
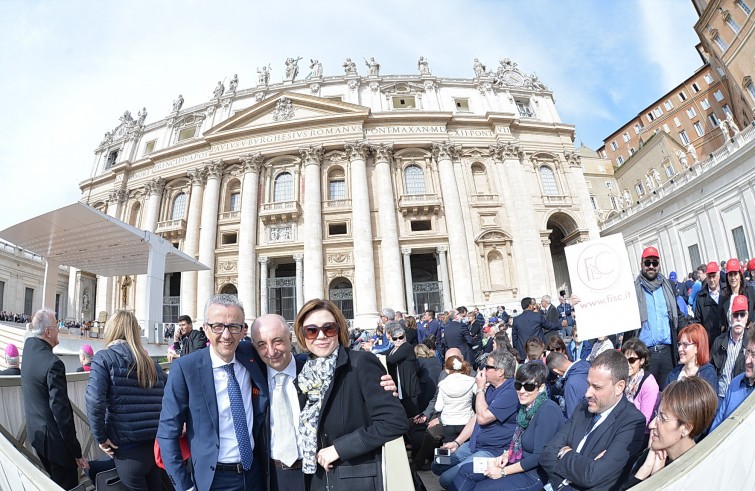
(695, 87)
(404, 102)
(669, 170)
(699, 128)
(337, 189)
(337, 229)
(639, 188)
(235, 202)
(732, 24)
(625, 137)
(751, 89)
(691, 112)
(462, 105)
(658, 112)
(149, 147)
(720, 43)
(705, 104)
(720, 71)
(668, 105)
(631, 151)
(111, 159)
(708, 79)
(615, 202)
(614, 146)
(421, 225)
(229, 238)
(594, 202)
(524, 109)
(745, 8)
(683, 137)
(620, 160)
(28, 301)
(682, 96)
(187, 133)
(694, 254)
(727, 110)
(713, 120)
(650, 117)
(677, 122)
(740, 242)
(666, 128)
(637, 128)
(603, 153)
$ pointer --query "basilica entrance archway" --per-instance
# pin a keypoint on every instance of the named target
(341, 294)
(563, 232)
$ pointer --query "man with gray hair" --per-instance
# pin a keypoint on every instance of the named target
(491, 428)
(387, 315)
(49, 416)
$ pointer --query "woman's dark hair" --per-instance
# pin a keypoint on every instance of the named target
(638, 348)
(555, 343)
(691, 401)
(532, 372)
(320, 304)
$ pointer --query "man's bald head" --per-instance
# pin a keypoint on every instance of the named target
(272, 338)
(453, 352)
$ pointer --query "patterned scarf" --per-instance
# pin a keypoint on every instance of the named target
(634, 385)
(313, 382)
(523, 419)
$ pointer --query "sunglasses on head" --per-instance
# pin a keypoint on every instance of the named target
(329, 328)
(397, 338)
(649, 263)
(529, 386)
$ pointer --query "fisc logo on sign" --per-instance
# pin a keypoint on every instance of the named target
(599, 267)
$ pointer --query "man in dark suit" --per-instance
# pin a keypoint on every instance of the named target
(221, 395)
(596, 447)
(186, 339)
(457, 335)
(49, 417)
(530, 323)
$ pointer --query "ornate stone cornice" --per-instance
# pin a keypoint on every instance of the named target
(197, 176)
(262, 260)
(383, 152)
(507, 150)
(357, 150)
(155, 186)
(214, 169)
(252, 162)
(446, 150)
(311, 155)
(573, 159)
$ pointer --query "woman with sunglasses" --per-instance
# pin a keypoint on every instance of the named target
(642, 388)
(538, 421)
(346, 416)
(402, 366)
(694, 356)
(735, 285)
(687, 409)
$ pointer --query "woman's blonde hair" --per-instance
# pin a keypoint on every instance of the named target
(123, 326)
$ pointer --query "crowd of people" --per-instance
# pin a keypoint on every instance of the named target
(492, 402)
(6, 316)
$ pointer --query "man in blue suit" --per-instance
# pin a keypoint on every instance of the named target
(221, 396)
(596, 447)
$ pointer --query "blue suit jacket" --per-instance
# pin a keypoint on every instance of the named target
(190, 398)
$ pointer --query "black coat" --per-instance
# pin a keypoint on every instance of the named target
(527, 325)
(49, 416)
(457, 335)
(710, 314)
(411, 336)
(358, 418)
(193, 341)
(718, 354)
(429, 370)
(750, 294)
(402, 365)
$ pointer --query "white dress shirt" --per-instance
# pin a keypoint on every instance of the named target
(293, 399)
(229, 445)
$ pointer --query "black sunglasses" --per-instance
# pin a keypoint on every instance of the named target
(739, 315)
(329, 328)
(397, 338)
(649, 263)
(529, 386)
(489, 367)
(632, 359)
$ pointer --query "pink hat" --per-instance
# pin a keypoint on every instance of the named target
(11, 351)
(85, 348)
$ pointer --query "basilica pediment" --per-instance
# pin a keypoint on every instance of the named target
(290, 109)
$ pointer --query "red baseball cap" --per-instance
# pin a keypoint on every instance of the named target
(739, 304)
(650, 252)
(712, 267)
(751, 265)
(733, 265)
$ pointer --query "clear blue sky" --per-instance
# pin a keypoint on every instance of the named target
(69, 69)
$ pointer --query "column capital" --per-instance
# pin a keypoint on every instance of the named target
(299, 257)
(445, 150)
(262, 259)
(383, 152)
(507, 150)
(442, 249)
(406, 251)
(155, 186)
(252, 162)
(118, 196)
(573, 159)
(357, 150)
(198, 176)
(311, 155)
(214, 169)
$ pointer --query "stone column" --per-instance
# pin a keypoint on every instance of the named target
(313, 265)
(263, 284)
(198, 179)
(153, 191)
(407, 252)
(74, 304)
(390, 259)
(299, 257)
(460, 266)
(105, 286)
(248, 235)
(365, 305)
(206, 279)
(441, 250)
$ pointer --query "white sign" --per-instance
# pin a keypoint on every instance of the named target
(603, 280)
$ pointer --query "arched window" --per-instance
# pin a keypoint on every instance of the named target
(233, 196)
(336, 184)
(496, 268)
(179, 207)
(414, 180)
(284, 187)
(549, 181)
(134, 216)
(480, 179)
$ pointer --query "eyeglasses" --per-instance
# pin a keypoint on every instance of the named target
(632, 359)
(739, 315)
(529, 386)
(649, 263)
(329, 328)
(397, 338)
(219, 327)
(750, 353)
(686, 345)
(489, 367)
(663, 418)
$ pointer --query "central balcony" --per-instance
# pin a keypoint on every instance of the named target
(419, 204)
(172, 229)
(280, 211)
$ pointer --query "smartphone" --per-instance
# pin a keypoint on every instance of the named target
(442, 451)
